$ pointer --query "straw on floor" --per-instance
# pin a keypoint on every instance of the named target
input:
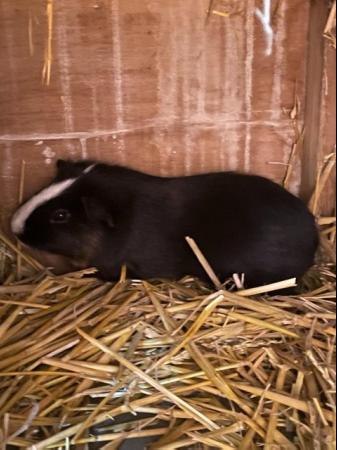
(194, 367)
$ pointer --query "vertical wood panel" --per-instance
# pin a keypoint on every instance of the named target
(313, 111)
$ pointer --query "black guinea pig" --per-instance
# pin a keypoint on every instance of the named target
(105, 216)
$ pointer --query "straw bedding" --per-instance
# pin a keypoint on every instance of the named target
(193, 367)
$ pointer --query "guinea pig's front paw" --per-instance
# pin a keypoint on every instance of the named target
(107, 275)
(79, 264)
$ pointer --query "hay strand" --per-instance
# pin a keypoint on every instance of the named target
(48, 59)
(330, 29)
(203, 261)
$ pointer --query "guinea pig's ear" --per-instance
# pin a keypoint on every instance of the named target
(64, 168)
(72, 169)
(97, 212)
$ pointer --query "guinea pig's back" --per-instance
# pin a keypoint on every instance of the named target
(249, 222)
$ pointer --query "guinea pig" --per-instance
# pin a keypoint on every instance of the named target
(105, 216)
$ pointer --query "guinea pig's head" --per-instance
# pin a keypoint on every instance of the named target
(66, 218)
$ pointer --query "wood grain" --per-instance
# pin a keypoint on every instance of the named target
(151, 85)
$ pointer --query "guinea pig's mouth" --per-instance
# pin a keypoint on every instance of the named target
(26, 246)
(19, 237)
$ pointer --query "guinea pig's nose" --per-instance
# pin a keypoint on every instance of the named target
(15, 233)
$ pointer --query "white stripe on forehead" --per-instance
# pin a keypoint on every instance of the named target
(20, 217)
(89, 169)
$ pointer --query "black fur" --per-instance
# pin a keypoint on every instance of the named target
(242, 223)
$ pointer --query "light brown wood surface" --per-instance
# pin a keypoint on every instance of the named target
(151, 84)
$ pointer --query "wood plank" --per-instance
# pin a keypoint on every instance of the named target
(150, 85)
(314, 94)
(121, 65)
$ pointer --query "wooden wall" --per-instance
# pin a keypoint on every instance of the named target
(152, 84)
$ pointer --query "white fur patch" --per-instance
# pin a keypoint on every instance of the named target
(89, 169)
(20, 217)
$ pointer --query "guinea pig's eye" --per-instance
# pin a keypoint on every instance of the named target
(60, 216)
